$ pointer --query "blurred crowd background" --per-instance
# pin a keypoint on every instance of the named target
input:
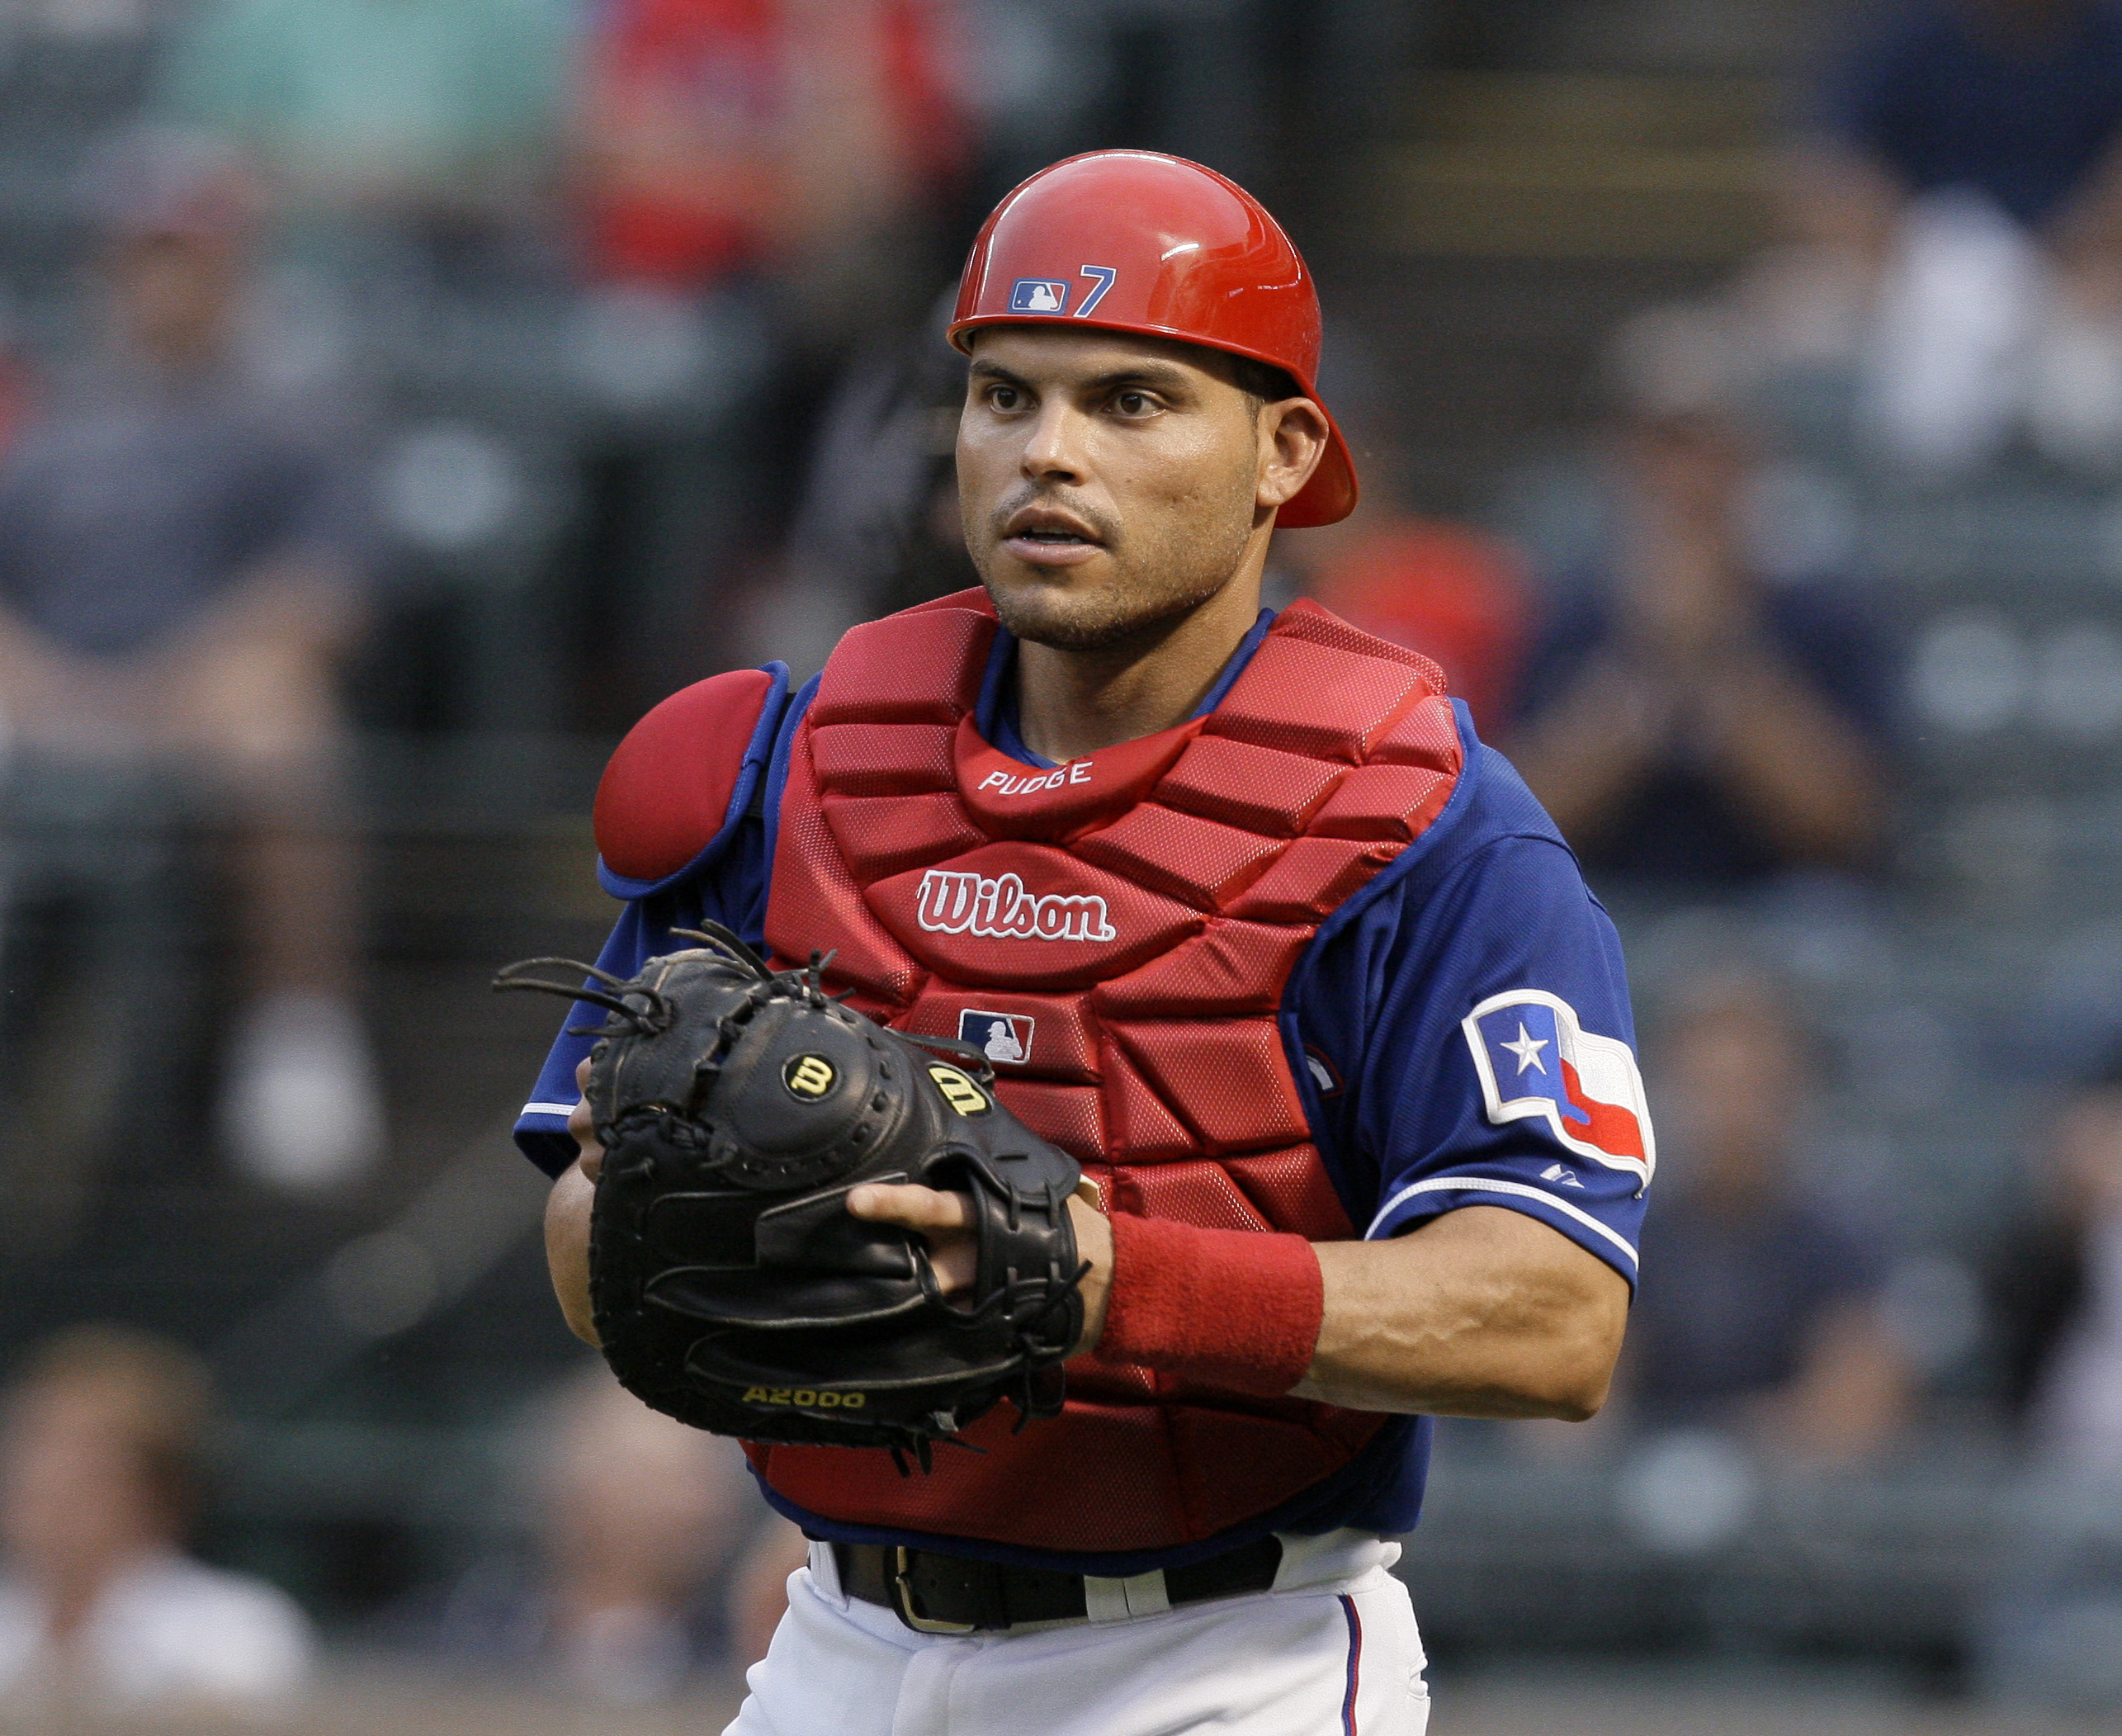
(399, 397)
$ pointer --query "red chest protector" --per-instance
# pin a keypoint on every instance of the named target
(1128, 923)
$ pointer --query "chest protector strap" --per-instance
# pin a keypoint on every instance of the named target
(1117, 934)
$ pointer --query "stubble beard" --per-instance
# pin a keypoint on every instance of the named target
(1149, 588)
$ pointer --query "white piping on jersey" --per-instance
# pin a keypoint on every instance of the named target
(1489, 1185)
(549, 1108)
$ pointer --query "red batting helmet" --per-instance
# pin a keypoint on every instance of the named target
(1136, 241)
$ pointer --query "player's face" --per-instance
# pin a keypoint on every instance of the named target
(1109, 482)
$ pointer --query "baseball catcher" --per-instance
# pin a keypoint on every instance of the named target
(1229, 904)
(738, 1107)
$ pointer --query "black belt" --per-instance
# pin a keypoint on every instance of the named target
(953, 1594)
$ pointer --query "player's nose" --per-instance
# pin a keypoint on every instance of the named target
(1053, 449)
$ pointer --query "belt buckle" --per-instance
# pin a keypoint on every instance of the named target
(902, 1597)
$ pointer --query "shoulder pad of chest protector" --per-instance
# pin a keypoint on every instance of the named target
(667, 790)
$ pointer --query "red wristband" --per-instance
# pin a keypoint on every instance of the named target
(1231, 1308)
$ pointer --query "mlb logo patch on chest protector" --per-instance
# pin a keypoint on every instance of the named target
(1536, 1062)
(1005, 1038)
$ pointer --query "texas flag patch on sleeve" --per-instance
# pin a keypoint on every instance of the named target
(1536, 1062)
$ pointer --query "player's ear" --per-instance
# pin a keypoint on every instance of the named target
(1292, 442)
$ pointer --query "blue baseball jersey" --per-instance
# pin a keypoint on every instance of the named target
(1459, 1030)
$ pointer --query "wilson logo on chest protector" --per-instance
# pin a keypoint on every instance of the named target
(952, 901)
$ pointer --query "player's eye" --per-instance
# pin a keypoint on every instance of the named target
(1133, 404)
(1002, 397)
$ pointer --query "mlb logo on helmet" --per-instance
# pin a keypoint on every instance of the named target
(1005, 1038)
(1038, 295)
(1536, 1062)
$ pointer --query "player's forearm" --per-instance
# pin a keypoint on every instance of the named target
(1485, 1313)
(1482, 1312)
(567, 1249)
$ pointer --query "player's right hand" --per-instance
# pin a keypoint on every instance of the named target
(578, 1125)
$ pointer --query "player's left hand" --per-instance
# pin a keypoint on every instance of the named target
(945, 1221)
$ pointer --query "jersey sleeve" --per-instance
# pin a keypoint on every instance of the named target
(730, 890)
(541, 1133)
(1485, 1055)
(725, 881)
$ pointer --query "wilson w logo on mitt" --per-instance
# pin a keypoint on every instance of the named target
(737, 1107)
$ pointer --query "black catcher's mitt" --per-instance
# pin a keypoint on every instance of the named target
(737, 1106)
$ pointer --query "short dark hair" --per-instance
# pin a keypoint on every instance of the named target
(1262, 381)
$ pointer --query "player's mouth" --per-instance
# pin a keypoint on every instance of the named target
(1045, 536)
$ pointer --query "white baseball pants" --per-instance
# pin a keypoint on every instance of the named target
(1331, 1650)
